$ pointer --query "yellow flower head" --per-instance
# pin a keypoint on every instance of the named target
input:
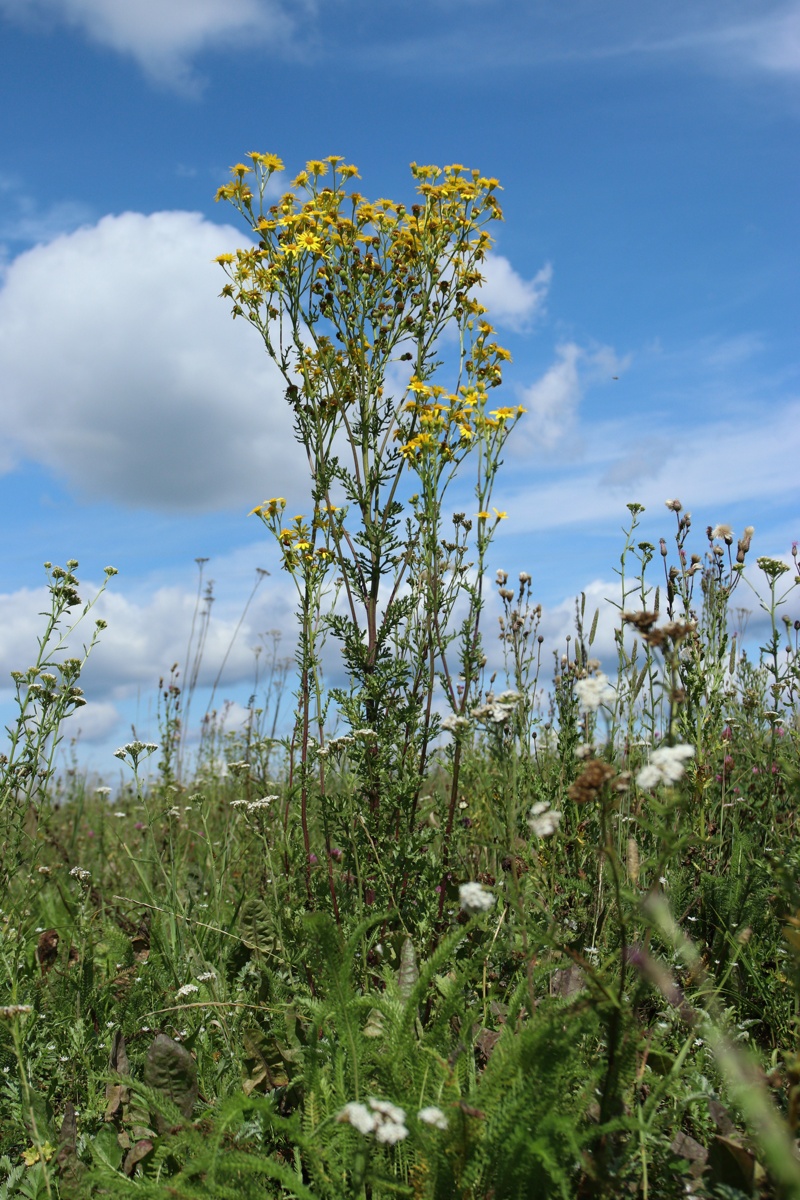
(501, 516)
(317, 167)
(308, 241)
(270, 162)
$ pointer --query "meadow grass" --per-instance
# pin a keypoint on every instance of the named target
(465, 931)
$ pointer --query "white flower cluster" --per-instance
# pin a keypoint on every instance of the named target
(497, 709)
(80, 874)
(386, 1121)
(666, 766)
(543, 820)
(264, 802)
(473, 898)
(134, 750)
(432, 1116)
(452, 723)
(594, 691)
(9, 1011)
(188, 989)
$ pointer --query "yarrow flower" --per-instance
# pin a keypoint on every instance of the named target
(386, 1121)
(666, 766)
(9, 1011)
(474, 899)
(264, 802)
(543, 820)
(432, 1116)
(80, 874)
(452, 723)
(135, 751)
(594, 691)
(773, 568)
(188, 989)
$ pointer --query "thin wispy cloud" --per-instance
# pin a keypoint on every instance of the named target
(763, 36)
(711, 463)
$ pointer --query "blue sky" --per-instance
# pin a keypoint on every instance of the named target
(645, 280)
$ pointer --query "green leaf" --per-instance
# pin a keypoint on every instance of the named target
(170, 1069)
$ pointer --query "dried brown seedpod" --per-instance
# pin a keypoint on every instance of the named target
(47, 950)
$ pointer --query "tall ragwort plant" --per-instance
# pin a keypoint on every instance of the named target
(365, 308)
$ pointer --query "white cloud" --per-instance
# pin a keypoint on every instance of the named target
(95, 722)
(511, 300)
(553, 400)
(26, 220)
(739, 460)
(762, 35)
(161, 36)
(771, 43)
(147, 631)
(122, 371)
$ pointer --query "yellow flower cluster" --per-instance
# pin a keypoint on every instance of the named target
(443, 422)
(297, 541)
(335, 245)
(268, 508)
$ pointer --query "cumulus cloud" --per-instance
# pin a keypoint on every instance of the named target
(511, 300)
(162, 37)
(122, 371)
(147, 631)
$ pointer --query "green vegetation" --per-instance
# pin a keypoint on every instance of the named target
(451, 937)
